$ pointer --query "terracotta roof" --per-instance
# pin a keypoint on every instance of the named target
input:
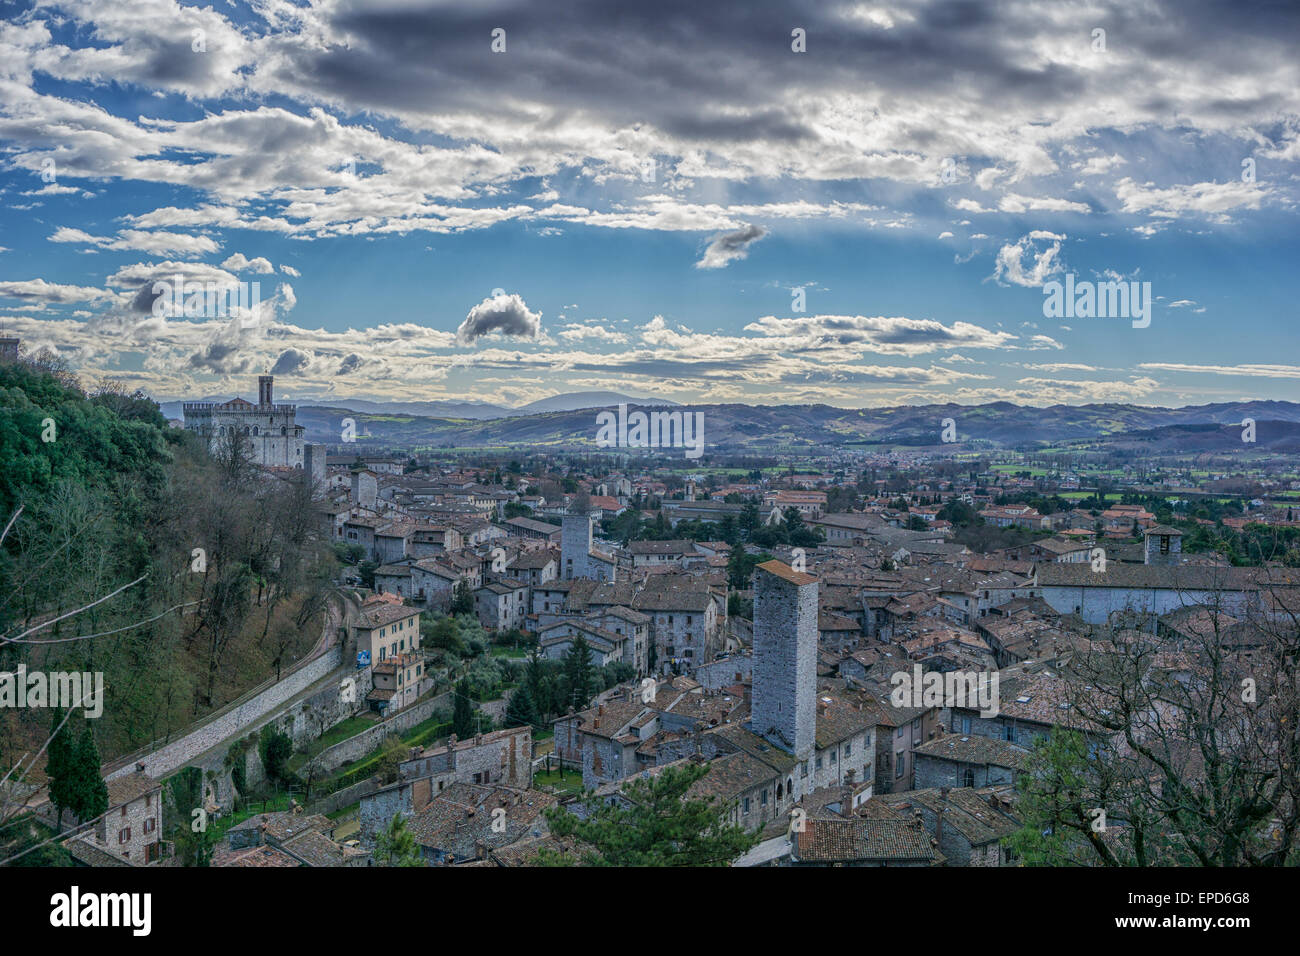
(844, 841)
(782, 570)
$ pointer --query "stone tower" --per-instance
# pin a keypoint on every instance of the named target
(784, 708)
(1164, 545)
(575, 546)
(265, 386)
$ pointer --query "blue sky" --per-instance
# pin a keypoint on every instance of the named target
(626, 198)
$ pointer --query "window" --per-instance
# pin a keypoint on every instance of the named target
(124, 835)
(747, 804)
(762, 798)
(900, 733)
(848, 749)
(150, 825)
(819, 763)
(965, 725)
(970, 778)
(899, 767)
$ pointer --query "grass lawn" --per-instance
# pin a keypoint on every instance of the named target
(562, 781)
(344, 811)
(336, 734)
(218, 828)
(513, 653)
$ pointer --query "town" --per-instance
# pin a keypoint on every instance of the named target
(840, 658)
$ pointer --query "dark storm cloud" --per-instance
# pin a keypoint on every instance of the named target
(222, 358)
(655, 62)
(730, 246)
(290, 361)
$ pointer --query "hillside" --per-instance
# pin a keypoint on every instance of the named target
(745, 427)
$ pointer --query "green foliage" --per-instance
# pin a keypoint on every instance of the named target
(391, 755)
(740, 567)
(520, 711)
(462, 598)
(395, 846)
(59, 765)
(275, 749)
(90, 793)
(656, 825)
(579, 674)
(463, 721)
(1054, 803)
(93, 443)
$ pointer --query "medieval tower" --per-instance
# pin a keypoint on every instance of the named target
(785, 658)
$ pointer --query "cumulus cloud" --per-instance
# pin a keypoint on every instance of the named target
(1010, 264)
(238, 262)
(291, 361)
(730, 246)
(501, 314)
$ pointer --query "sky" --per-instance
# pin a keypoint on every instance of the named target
(855, 204)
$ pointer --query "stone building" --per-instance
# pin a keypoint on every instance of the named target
(271, 430)
(785, 657)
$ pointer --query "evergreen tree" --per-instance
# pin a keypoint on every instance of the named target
(58, 767)
(659, 825)
(536, 682)
(395, 846)
(521, 711)
(462, 598)
(463, 723)
(579, 676)
(90, 793)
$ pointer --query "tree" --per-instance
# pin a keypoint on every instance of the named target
(539, 686)
(462, 598)
(657, 825)
(463, 723)
(275, 748)
(578, 673)
(395, 845)
(1195, 772)
(521, 711)
(58, 767)
(391, 754)
(90, 793)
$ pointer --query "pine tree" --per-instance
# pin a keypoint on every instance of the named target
(578, 673)
(535, 681)
(395, 846)
(58, 767)
(521, 711)
(90, 791)
(463, 723)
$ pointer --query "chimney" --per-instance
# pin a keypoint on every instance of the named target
(139, 766)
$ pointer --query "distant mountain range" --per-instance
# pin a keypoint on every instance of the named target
(572, 401)
(740, 427)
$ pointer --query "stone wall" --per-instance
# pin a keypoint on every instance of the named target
(354, 748)
(234, 722)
